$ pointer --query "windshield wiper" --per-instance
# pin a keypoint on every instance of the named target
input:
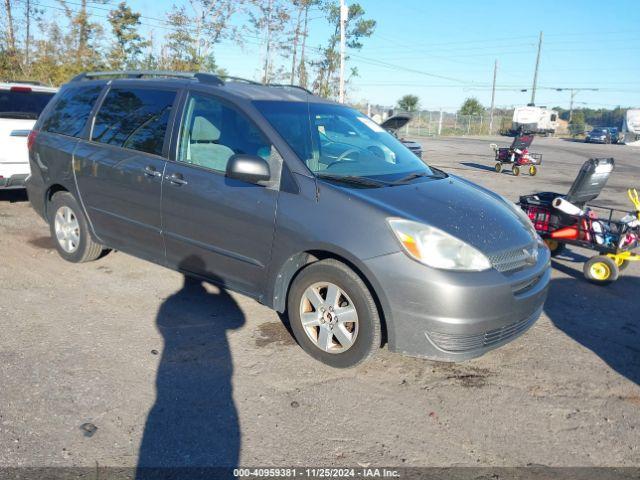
(412, 176)
(354, 180)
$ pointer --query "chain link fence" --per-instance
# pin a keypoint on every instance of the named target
(427, 124)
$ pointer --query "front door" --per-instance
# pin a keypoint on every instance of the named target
(119, 171)
(214, 226)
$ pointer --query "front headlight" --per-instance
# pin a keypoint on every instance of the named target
(435, 248)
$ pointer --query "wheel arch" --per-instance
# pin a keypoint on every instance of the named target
(49, 193)
(295, 264)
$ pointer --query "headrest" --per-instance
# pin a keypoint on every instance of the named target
(204, 130)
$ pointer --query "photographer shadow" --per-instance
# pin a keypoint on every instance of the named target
(601, 318)
(193, 429)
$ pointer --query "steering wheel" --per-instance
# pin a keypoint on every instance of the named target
(342, 156)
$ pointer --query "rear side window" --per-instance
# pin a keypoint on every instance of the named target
(22, 102)
(134, 118)
(71, 111)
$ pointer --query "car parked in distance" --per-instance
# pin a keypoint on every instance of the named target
(306, 205)
(598, 135)
(393, 125)
(20, 105)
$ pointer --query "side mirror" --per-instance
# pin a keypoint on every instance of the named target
(248, 168)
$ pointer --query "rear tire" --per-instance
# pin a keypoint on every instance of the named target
(601, 270)
(70, 230)
(516, 170)
(533, 170)
(341, 321)
(498, 167)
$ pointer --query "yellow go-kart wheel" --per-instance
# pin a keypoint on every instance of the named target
(555, 247)
(516, 170)
(601, 270)
(498, 167)
(533, 170)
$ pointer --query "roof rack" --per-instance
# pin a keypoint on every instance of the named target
(209, 78)
(289, 85)
(239, 79)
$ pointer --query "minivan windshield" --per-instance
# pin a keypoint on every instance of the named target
(339, 143)
(23, 103)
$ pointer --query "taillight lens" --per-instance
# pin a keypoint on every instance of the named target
(31, 138)
(21, 89)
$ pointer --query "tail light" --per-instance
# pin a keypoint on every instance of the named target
(21, 89)
(31, 138)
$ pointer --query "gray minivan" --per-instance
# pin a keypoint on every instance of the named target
(306, 205)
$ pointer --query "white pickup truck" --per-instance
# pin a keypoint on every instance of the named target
(20, 105)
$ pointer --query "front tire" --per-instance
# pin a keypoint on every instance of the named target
(332, 314)
(516, 170)
(70, 231)
(498, 167)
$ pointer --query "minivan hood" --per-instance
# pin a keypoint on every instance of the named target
(456, 206)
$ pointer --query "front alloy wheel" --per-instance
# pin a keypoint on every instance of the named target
(333, 315)
(329, 317)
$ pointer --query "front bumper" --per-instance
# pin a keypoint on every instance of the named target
(454, 316)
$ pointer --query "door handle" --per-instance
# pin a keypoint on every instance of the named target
(151, 172)
(176, 179)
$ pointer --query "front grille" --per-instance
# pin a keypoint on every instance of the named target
(514, 259)
(458, 343)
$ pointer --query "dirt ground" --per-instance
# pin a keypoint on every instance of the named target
(120, 363)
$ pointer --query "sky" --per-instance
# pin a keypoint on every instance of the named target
(444, 51)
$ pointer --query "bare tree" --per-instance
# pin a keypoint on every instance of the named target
(268, 19)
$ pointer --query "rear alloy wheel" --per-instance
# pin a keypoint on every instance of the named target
(516, 170)
(498, 167)
(333, 315)
(533, 170)
(70, 231)
(601, 270)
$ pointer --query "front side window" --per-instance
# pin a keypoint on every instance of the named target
(336, 141)
(212, 132)
(71, 111)
(134, 118)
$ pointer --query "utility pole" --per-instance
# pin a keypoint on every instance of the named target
(574, 92)
(535, 73)
(493, 96)
(440, 123)
(573, 95)
(344, 13)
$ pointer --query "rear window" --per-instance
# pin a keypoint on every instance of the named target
(23, 104)
(71, 111)
(134, 118)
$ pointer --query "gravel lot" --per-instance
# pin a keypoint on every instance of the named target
(175, 374)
